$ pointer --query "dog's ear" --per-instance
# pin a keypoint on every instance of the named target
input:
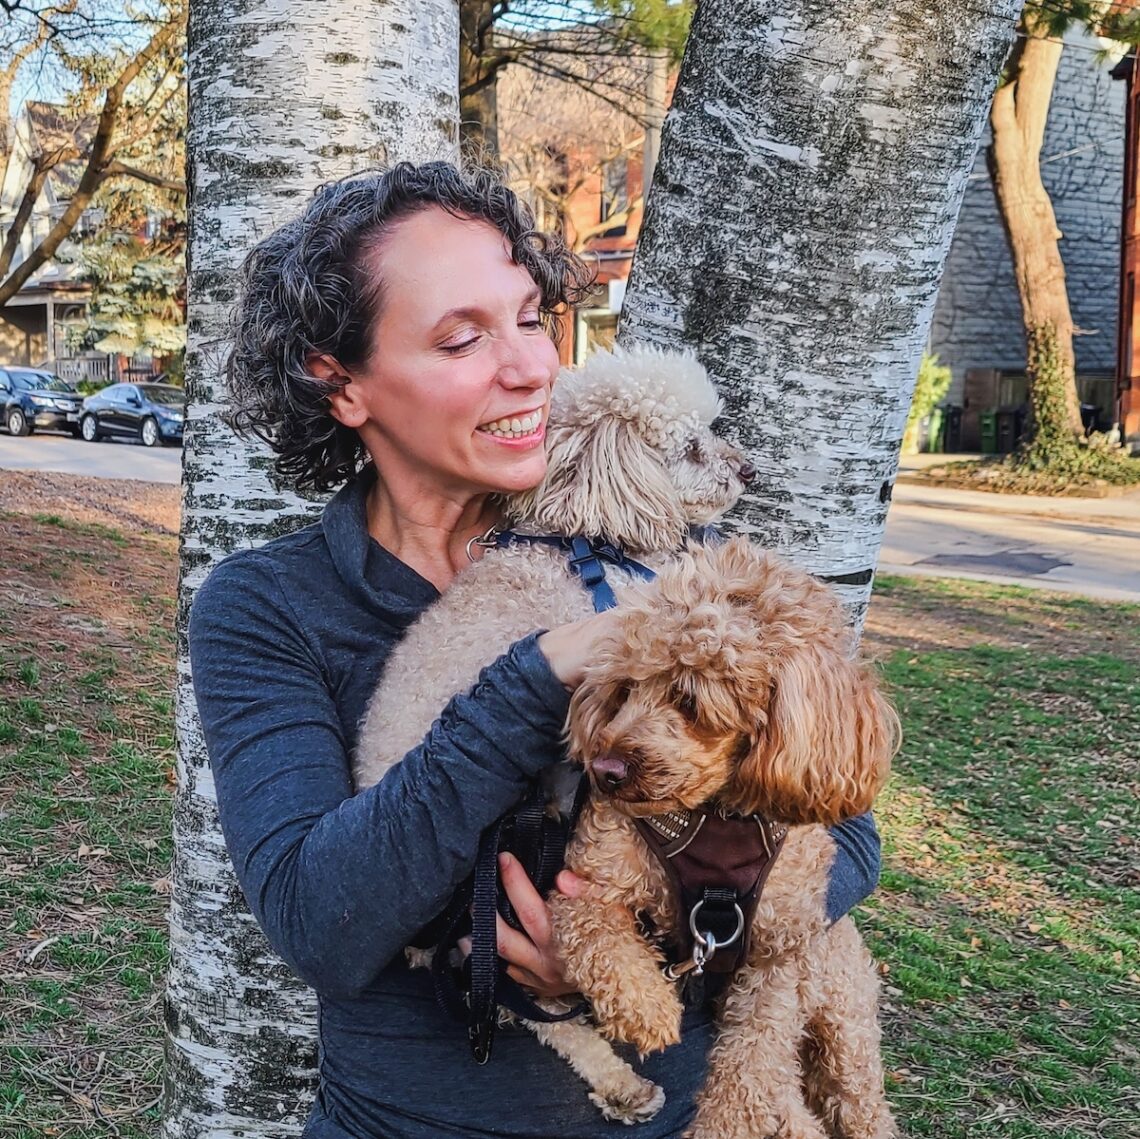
(605, 480)
(824, 746)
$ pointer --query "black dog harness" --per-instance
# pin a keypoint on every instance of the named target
(716, 864)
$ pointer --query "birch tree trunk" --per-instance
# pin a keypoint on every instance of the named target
(1018, 117)
(283, 96)
(810, 174)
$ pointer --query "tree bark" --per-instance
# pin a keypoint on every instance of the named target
(283, 97)
(811, 169)
(1017, 118)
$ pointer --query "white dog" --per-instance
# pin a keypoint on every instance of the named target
(632, 458)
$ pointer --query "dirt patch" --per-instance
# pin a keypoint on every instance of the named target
(126, 504)
(931, 614)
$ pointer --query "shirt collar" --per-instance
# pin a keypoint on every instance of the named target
(388, 587)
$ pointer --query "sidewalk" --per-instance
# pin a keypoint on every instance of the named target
(1089, 546)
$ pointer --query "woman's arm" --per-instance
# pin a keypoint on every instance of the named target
(341, 882)
(855, 871)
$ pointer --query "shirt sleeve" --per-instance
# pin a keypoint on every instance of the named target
(855, 870)
(341, 882)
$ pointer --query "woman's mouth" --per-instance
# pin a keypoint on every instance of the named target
(521, 427)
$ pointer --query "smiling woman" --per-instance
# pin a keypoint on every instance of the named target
(395, 338)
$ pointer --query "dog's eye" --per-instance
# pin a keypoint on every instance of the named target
(686, 704)
(695, 452)
(621, 694)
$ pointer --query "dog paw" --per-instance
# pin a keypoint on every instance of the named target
(648, 1029)
(636, 1102)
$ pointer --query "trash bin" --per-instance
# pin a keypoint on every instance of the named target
(952, 436)
(1006, 432)
(988, 421)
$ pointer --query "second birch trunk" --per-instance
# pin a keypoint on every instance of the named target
(810, 174)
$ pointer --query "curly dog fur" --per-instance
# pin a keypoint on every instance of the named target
(631, 457)
(730, 682)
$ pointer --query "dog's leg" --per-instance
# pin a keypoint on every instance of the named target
(605, 952)
(754, 1086)
(617, 971)
(845, 1068)
(615, 1087)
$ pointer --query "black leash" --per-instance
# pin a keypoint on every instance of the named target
(474, 991)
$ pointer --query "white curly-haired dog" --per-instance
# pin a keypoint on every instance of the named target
(632, 458)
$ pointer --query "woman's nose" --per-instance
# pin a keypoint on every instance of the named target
(525, 363)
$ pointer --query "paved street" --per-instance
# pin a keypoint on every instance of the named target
(1087, 546)
(1079, 545)
(107, 459)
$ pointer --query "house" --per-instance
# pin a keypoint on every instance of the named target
(580, 161)
(978, 330)
(33, 323)
(1128, 337)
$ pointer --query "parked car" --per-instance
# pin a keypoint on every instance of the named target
(32, 399)
(152, 413)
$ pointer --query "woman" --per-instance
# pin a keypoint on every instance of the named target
(393, 339)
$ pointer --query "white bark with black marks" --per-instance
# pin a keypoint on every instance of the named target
(810, 174)
(283, 96)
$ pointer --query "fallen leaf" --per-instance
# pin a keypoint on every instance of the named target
(161, 885)
(1064, 1004)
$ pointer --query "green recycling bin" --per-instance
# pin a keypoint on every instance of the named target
(988, 421)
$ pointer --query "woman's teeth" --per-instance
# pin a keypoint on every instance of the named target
(513, 428)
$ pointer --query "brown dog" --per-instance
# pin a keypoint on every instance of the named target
(730, 683)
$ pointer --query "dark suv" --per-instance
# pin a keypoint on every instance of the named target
(151, 413)
(32, 399)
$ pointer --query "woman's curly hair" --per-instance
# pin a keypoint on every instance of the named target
(310, 288)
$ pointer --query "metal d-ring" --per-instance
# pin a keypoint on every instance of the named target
(708, 938)
(486, 541)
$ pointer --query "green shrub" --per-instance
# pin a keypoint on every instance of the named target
(929, 390)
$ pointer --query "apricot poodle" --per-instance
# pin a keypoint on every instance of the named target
(729, 683)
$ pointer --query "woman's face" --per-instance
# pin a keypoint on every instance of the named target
(453, 400)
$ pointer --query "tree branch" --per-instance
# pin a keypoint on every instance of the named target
(115, 168)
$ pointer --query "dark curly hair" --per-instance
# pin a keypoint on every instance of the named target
(310, 289)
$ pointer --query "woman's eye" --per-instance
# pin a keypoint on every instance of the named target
(455, 349)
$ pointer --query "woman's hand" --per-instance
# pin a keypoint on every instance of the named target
(531, 958)
(569, 648)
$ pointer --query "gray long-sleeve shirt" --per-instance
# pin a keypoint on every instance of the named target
(287, 643)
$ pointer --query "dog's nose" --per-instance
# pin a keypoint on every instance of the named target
(747, 473)
(609, 772)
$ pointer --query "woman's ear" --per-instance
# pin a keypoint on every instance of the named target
(345, 404)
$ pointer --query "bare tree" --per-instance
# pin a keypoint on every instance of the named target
(586, 43)
(1018, 118)
(119, 108)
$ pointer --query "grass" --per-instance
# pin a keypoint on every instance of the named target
(85, 751)
(1007, 919)
(1007, 923)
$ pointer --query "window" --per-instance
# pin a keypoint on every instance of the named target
(615, 194)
